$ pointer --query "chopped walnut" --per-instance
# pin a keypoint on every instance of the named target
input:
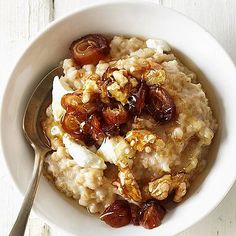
(116, 92)
(101, 68)
(180, 192)
(133, 82)
(90, 88)
(155, 77)
(152, 72)
(162, 187)
(120, 78)
(127, 186)
(141, 139)
(117, 151)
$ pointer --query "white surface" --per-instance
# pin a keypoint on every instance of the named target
(19, 20)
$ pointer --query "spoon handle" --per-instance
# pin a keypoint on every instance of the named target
(19, 227)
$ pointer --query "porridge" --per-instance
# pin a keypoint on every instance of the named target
(130, 126)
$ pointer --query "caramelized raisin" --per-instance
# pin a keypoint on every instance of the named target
(72, 125)
(115, 116)
(135, 214)
(151, 214)
(118, 214)
(110, 130)
(89, 49)
(160, 104)
(137, 97)
(93, 127)
(72, 103)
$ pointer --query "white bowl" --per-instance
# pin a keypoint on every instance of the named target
(126, 18)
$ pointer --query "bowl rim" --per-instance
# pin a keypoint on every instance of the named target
(88, 6)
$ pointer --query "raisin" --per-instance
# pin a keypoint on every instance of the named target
(151, 214)
(111, 130)
(135, 214)
(115, 116)
(118, 214)
(160, 104)
(72, 102)
(137, 97)
(89, 49)
(93, 127)
(72, 125)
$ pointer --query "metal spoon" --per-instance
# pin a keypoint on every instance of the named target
(34, 134)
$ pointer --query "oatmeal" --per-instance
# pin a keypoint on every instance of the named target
(130, 126)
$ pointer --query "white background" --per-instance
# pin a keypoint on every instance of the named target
(20, 20)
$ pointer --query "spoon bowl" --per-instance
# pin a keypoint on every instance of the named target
(32, 116)
(35, 136)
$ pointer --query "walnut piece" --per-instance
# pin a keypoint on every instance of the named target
(162, 187)
(142, 140)
(155, 77)
(127, 186)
